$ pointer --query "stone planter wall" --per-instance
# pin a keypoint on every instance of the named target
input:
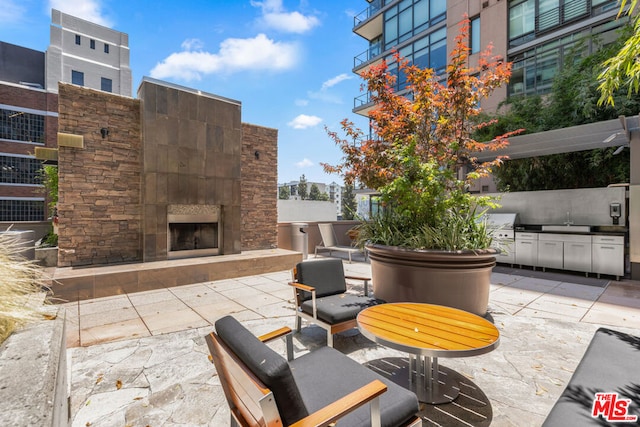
(33, 374)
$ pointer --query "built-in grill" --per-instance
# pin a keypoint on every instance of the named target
(502, 227)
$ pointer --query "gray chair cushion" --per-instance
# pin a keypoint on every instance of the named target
(326, 275)
(339, 308)
(271, 368)
(610, 364)
(326, 375)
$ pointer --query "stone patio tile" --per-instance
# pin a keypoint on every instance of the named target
(245, 315)
(240, 293)
(613, 315)
(514, 296)
(214, 311)
(622, 294)
(563, 299)
(224, 285)
(108, 317)
(272, 286)
(207, 298)
(172, 321)
(284, 294)
(552, 313)
(534, 284)
(104, 304)
(133, 328)
(259, 299)
(191, 291)
(279, 309)
(502, 278)
(580, 294)
(158, 307)
(150, 297)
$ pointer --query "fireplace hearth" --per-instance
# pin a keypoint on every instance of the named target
(193, 235)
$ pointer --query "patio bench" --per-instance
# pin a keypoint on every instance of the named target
(610, 365)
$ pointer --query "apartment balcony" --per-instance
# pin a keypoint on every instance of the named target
(363, 104)
(368, 23)
(369, 57)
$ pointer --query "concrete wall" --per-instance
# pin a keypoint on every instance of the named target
(340, 228)
(586, 206)
(305, 210)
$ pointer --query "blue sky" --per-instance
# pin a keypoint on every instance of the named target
(288, 61)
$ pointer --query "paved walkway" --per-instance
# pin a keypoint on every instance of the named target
(140, 359)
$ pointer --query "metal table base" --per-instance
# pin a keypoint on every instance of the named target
(427, 380)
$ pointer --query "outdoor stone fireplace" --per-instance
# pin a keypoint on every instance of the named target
(193, 231)
(173, 173)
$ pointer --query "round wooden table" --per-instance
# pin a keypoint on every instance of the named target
(426, 332)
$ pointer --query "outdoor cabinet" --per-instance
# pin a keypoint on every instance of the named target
(550, 251)
(577, 252)
(527, 249)
(608, 255)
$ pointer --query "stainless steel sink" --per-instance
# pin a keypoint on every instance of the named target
(567, 228)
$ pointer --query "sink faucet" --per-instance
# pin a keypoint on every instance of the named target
(568, 221)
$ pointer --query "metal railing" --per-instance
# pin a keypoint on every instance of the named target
(369, 54)
(367, 13)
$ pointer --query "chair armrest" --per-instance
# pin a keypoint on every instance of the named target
(336, 410)
(275, 334)
(366, 279)
(302, 287)
(278, 333)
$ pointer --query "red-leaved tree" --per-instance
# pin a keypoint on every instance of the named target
(423, 137)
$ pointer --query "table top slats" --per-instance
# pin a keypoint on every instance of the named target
(428, 329)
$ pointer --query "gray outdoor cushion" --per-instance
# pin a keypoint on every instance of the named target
(339, 308)
(325, 375)
(326, 275)
(271, 368)
(610, 364)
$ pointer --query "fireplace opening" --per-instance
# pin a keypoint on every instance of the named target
(187, 237)
(193, 235)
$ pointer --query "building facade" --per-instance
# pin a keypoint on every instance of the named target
(87, 54)
(537, 36)
(332, 190)
(80, 53)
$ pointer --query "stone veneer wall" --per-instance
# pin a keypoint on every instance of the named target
(259, 187)
(99, 185)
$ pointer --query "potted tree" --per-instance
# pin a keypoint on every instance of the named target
(428, 243)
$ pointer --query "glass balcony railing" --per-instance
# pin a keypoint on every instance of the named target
(362, 100)
(369, 54)
(367, 13)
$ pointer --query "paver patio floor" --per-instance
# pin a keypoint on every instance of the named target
(140, 359)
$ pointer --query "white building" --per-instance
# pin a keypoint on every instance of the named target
(333, 190)
(87, 54)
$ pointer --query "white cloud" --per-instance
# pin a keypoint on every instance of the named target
(276, 17)
(335, 80)
(12, 12)
(303, 121)
(304, 163)
(89, 10)
(254, 54)
(192, 44)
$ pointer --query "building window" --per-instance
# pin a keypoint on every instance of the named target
(411, 17)
(106, 84)
(77, 39)
(474, 35)
(21, 126)
(92, 44)
(20, 170)
(77, 78)
(106, 48)
(21, 210)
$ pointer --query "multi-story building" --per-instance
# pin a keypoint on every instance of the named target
(81, 53)
(87, 54)
(537, 36)
(333, 190)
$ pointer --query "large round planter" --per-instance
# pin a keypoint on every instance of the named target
(460, 279)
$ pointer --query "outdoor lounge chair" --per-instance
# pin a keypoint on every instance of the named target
(318, 388)
(329, 242)
(321, 296)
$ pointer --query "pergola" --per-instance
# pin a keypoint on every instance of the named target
(621, 132)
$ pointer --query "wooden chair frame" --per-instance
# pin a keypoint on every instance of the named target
(251, 403)
(330, 328)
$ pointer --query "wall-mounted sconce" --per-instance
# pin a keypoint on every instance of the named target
(104, 132)
(257, 154)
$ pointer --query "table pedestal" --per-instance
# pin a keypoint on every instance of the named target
(430, 382)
